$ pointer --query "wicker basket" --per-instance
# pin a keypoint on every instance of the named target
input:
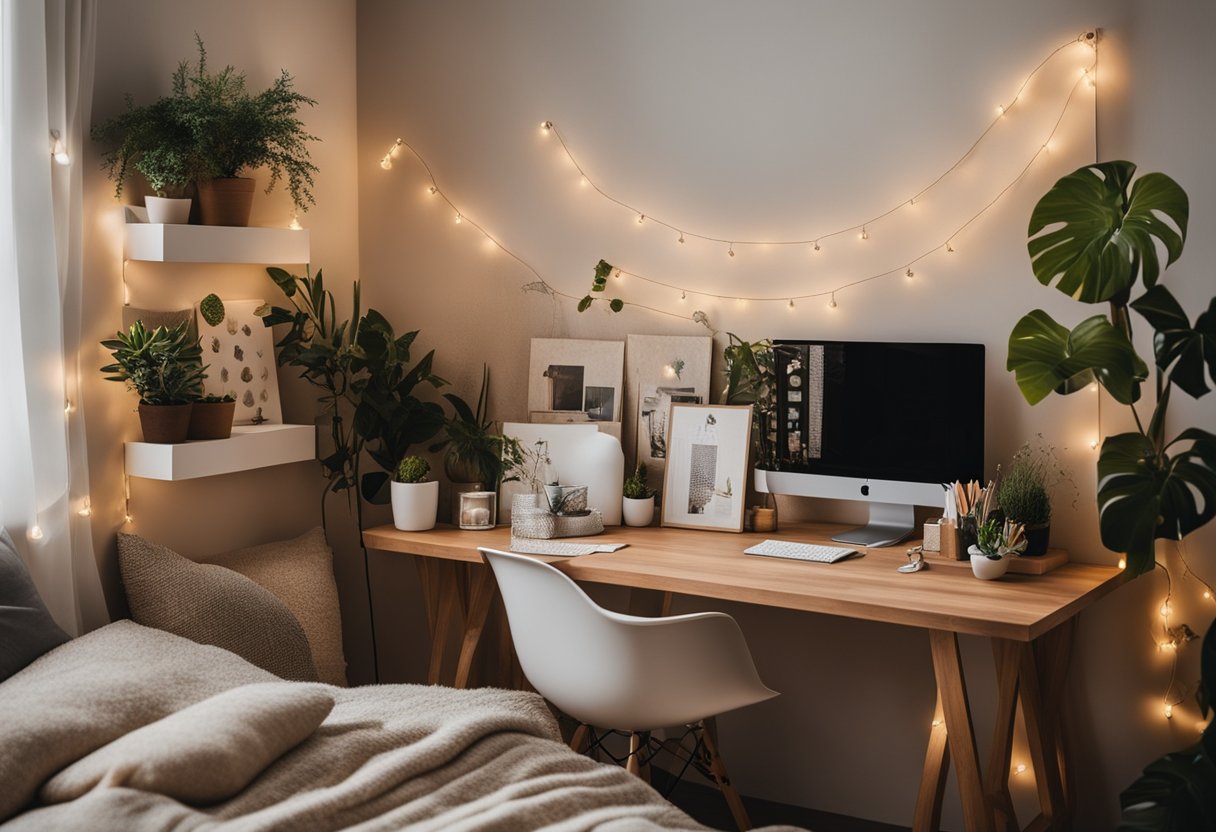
(540, 524)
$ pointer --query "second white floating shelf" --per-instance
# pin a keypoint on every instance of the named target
(215, 244)
(251, 446)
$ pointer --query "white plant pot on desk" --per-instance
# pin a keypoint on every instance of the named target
(415, 505)
(637, 512)
(984, 567)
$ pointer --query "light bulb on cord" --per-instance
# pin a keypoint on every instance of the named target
(58, 151)
(949, 248)
(295, 223)
(1020, 769)
(86, 510)
(459, 219)
(1000, 109)
(386, 162)
(864, 235)
(731, 251)
(909, 273)
(1207, 595)
(1122, 563)
(35, 532)
(546, 126)
(681, 237)
(816, 245)
(791, 303)
(683, 295)
(1166, 610)
(832, 301)
(641, 218)
(1169, 711)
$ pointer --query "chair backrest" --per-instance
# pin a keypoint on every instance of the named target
(621, 671)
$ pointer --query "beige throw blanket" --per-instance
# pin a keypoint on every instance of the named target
(386, 757)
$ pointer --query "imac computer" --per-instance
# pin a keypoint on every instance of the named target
(884, 423)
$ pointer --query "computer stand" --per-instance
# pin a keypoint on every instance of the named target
(889, 524)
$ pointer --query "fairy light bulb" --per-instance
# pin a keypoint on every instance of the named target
(1207, 595)
(1169, 711)
(1093, 444)
(1166, 610)
(127, 518)
(937, 723)
(1020, 768)
(295, 223)
(731, 251)
(1093, 388)
(816, 245)
(909, 273)
(1122, 563)
(791, 303)
(86, 510)
(68, 407)
(459, 219)
(58, 152)
(949, 248)
(35, 532)
(1000, 110)
(386, 162)
(683, 295)
(864, 235)
(681, 237)
(617, 274)
(641, 218)
(832, 301)
(546, 126)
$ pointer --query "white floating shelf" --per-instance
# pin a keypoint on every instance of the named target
(251, 446)
(214, 243)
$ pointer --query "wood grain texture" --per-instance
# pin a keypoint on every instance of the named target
(948, 668)
(1018, 607)
(928, 814)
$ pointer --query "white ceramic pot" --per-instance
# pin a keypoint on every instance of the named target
(984, 567)
(637, 512)
(168, 211)
(415, 505)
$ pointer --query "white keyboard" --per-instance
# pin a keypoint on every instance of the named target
(800, 551)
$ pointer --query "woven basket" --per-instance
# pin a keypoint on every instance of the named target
(539, 524)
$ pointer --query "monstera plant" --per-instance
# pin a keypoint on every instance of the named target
(1097, 236)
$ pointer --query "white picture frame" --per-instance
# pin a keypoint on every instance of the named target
(239, 354)
(660, 369)
(574, 375)
(707, 465)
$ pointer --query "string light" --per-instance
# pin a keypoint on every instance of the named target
(864, 235)
(86, 510)
(681, 237)
(1166, 610)
(432, 190)
(683, 295)
(816, 245)
(1122, 563)
(909, 274)
(68, 407)
(791, 303)
(949, 248)
(641, 218)
(832, 301)
(731, 251)
(295, 223)
(386, 162)
(459, 219)
(34, 533)
(1169, 711)
(1020, 768)
(549, 127)
(58, 151)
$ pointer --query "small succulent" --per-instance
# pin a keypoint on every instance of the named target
(211, 398)
(212, 309)
(635, 484)
(997, 539)
(413, 469)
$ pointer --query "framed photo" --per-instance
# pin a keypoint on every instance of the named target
(706, 481)
(572, 379)
(660, 370)
(239, 354)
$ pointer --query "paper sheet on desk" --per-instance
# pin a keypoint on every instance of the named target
(561, 548)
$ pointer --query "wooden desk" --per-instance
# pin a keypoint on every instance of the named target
(1030, 619)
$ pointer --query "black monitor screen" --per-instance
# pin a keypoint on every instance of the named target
(906, 412)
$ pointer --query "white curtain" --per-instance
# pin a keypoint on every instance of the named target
(46, 65)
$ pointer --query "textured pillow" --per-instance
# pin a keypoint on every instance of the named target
(26, 628)
(212, 605)
(300, 573)
(205, 753)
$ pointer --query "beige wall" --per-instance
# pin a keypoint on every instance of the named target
(139, 45)
(762, 120)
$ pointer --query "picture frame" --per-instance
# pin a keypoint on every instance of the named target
(707, 466)
(239, 354)
(575, 379)
(659, 370)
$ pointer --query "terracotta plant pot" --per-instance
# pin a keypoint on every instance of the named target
(211, 420)
(225, 201)
(167, 210)
(165, 424)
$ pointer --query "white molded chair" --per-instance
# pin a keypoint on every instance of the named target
(626, 672)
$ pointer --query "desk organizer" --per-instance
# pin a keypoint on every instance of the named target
(538, 523)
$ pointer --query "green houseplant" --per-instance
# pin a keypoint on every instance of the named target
(164, 366)
(996, 540)
(1024, 493)
(476, 453)
(1095, 235)
(638, 498)
(415, 497)
(156, 141)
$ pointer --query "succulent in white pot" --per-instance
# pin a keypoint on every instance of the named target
(996, 542)
(415, 497)
(637, 502)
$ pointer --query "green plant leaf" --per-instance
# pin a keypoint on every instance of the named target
(616, 304)
(212, 309)
(1176, 793)
(584, 304)
(1176, 343)
(283, 279)
(1093, 239)
(1144, 495)
(1045, 356)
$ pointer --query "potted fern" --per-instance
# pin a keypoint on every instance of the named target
(164, 366)
(1025, 492)
(637, 502)
(155, 141)
(415, 496)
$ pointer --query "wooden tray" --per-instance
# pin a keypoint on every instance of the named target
(1036, 565)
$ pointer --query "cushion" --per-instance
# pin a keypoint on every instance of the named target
(205, 753)
(300, 573)
(26, 628)
(212, 605)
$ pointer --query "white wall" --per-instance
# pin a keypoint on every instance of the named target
(139, 45)
(764, 119)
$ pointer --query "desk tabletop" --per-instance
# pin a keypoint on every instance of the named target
(712, 565)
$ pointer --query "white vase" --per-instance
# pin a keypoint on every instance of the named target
(637, 512)
(596, 460)
(984, 567)
(415, 505)
(168, 211)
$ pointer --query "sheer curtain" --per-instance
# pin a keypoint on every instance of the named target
(46, 60)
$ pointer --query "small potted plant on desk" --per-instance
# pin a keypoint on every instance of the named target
(996, 541)
(165, 368)
(1025, 493)
(637, 504)
(415, 497)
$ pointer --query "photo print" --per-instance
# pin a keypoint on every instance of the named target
(239, 354)
(575, 380)
(706, 479)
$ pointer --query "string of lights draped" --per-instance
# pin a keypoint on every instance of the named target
(1088, 39)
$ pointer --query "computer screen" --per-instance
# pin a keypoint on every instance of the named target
(886, 411)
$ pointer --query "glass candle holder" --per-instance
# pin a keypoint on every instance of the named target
(478, 510)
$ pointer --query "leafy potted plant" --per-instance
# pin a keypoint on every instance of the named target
(415, 497)
(234, 131)
(638, 498)
(156, 141)
(164, 367)
(996, 540)
(1025, 490)
(1094, 235)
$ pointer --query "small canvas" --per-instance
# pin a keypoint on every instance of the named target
(660, 370)
(239, 354)
(577, 377)
(706, 480)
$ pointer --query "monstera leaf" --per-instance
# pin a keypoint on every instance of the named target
(1144, 495)
(1176, 343)
(1093, 239)
(1045, 356)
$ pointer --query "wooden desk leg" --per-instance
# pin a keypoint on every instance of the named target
(996, 779)
(649, 603)
(948, 668)
(1043, 668)
(441, 594)
(928, 817)
(481, 592)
